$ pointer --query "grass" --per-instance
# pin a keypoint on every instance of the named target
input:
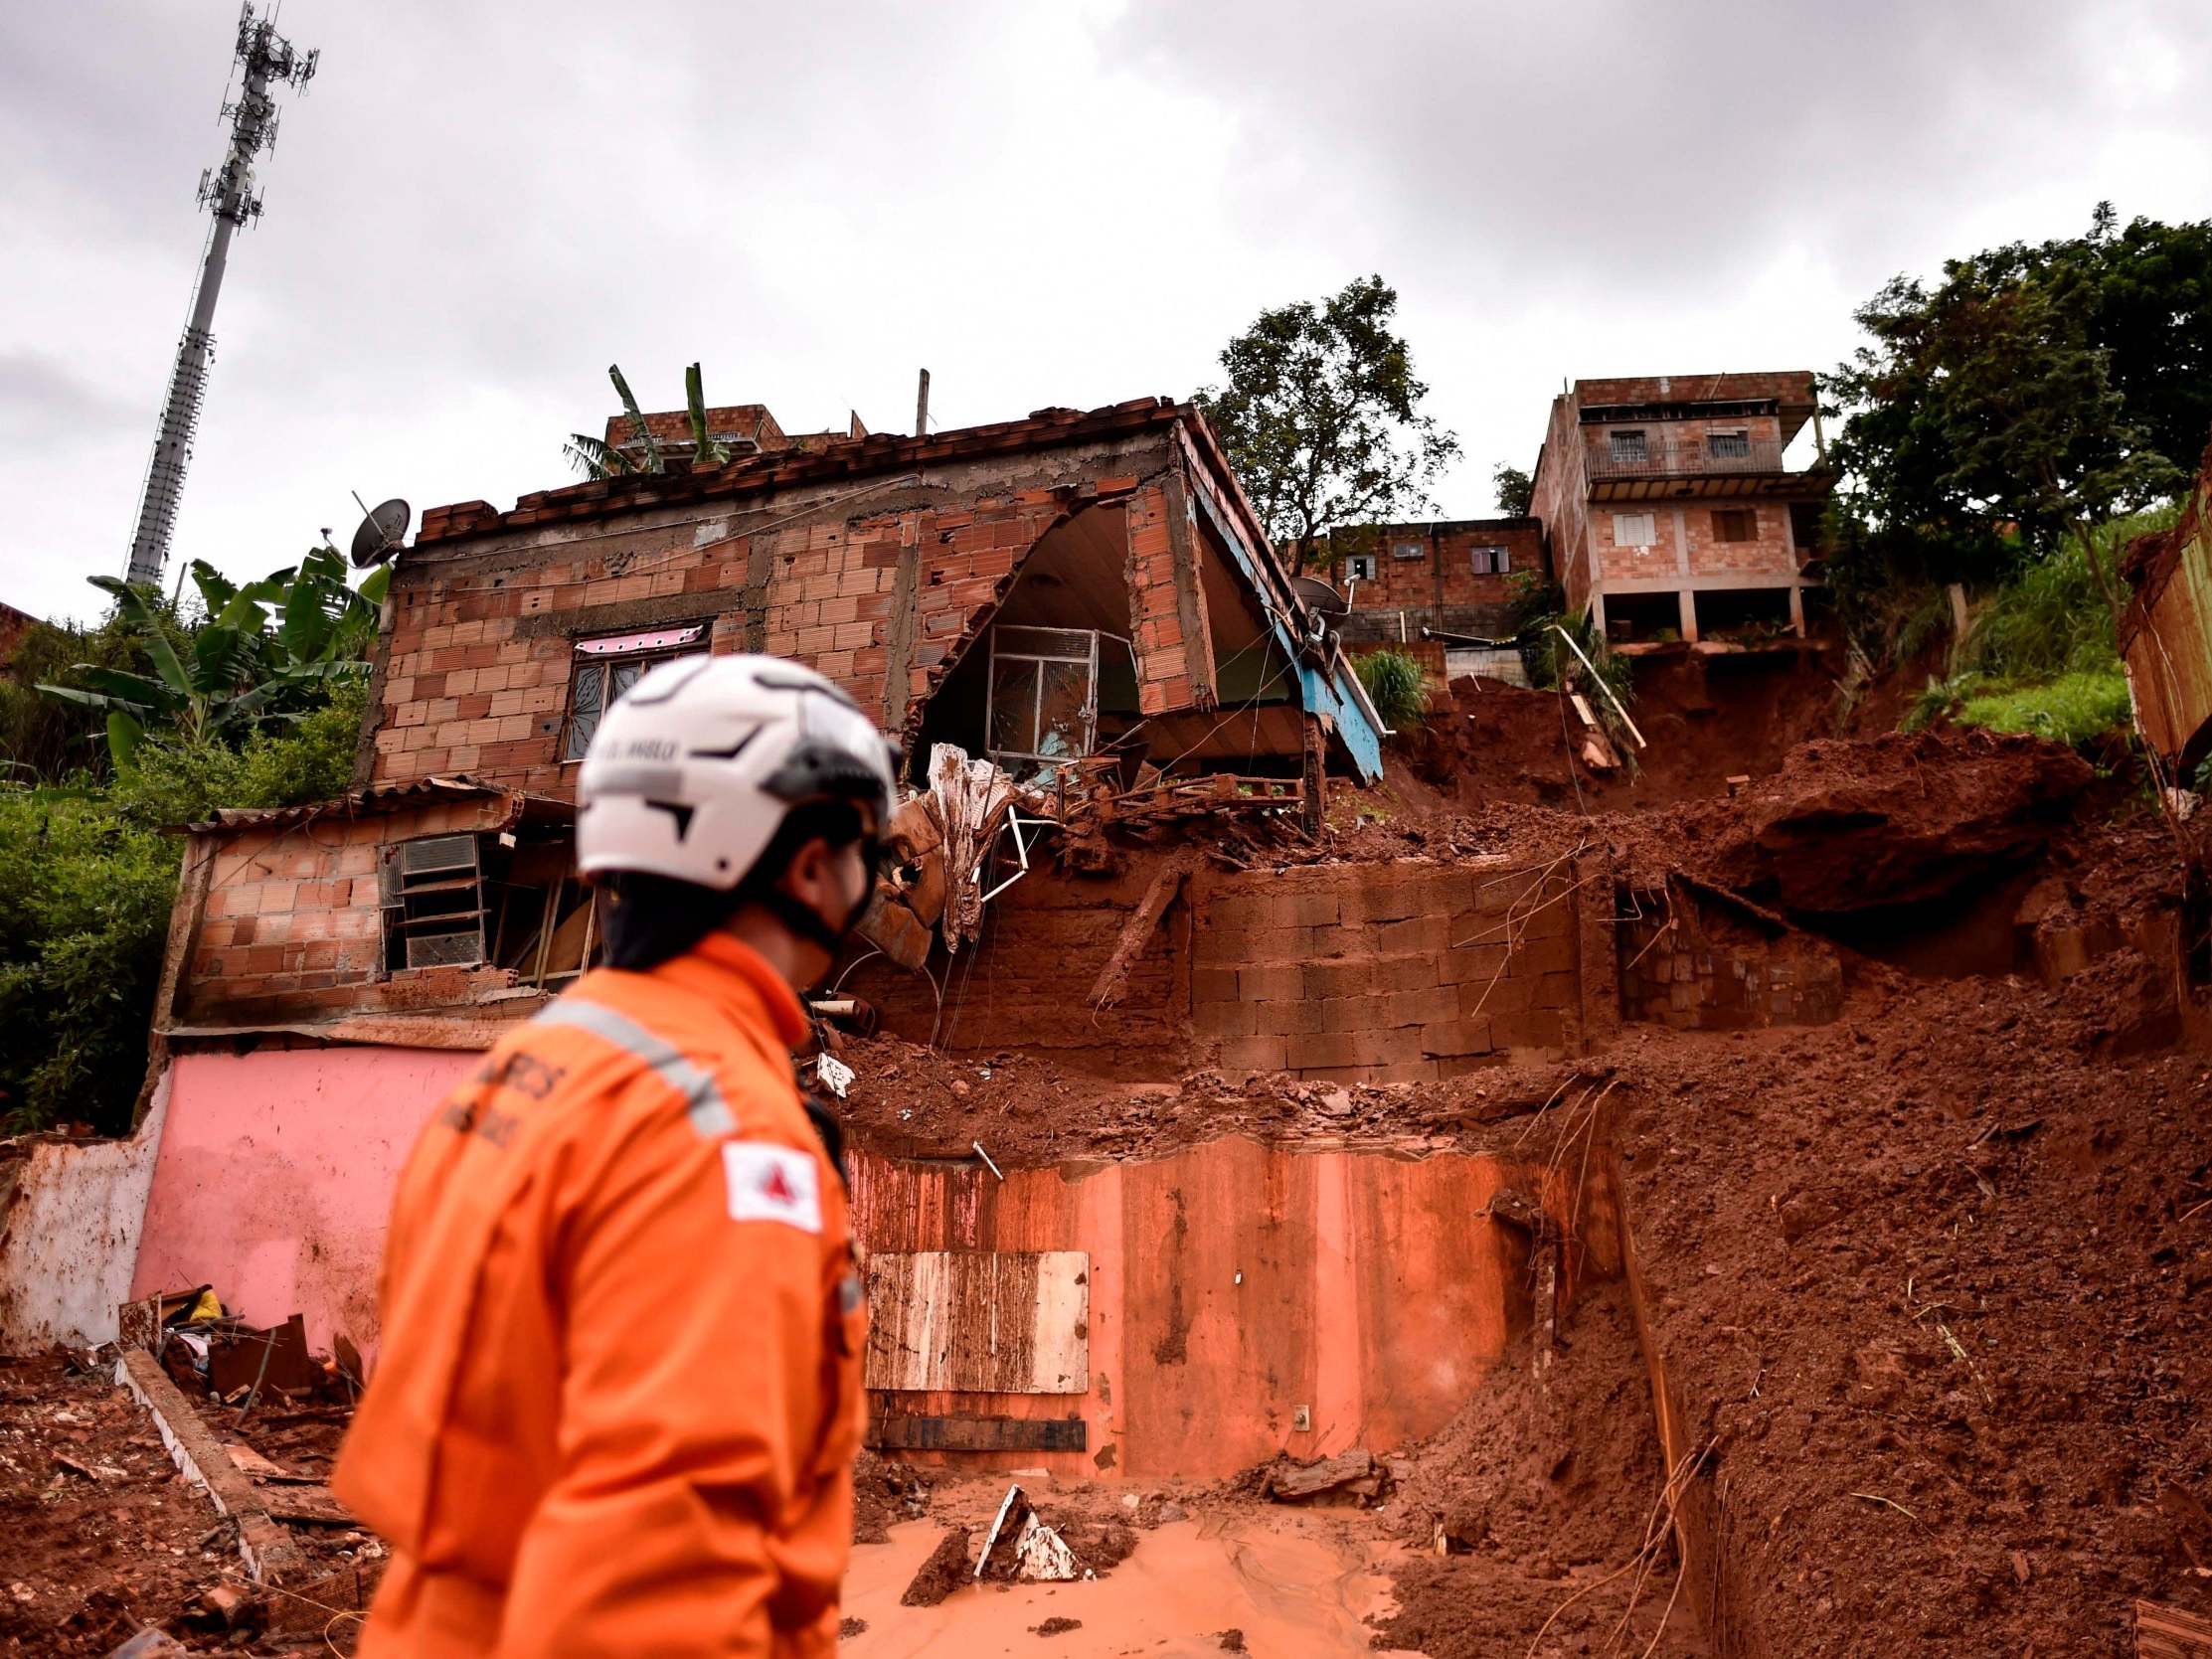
(2038, 656)
(2077, 709)
(1396, 686)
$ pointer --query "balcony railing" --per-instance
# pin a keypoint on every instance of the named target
(1691, 455)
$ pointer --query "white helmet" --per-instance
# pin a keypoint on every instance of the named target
(691, 773)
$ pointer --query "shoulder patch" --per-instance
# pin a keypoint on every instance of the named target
(772, 1184)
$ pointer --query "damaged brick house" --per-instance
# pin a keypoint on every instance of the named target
(1074, 595)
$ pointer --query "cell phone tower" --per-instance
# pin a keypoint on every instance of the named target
(227, 189)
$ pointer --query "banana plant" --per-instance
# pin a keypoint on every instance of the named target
(235, 669)
(597, 458)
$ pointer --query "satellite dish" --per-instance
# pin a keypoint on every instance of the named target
(1322, 596)
(380, 533)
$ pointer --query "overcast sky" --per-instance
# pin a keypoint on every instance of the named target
(477, 207)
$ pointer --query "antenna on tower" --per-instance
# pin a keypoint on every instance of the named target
(227, 191)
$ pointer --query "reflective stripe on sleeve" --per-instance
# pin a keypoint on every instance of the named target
(709, 1112)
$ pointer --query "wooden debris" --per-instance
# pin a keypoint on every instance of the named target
(1348, 1474)
(2163, 1632)
(1114, 979)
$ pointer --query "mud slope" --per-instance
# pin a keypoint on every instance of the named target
(1938, 1280)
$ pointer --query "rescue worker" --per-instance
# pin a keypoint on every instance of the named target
(619, 1394)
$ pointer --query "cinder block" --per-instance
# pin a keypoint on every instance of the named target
(1452, 1039)
(1213, 984)
(1348, 978)
(1255, 1054)
(1228, 1019)
(1287, 1019)
(1271, 982)
(1349, 1014)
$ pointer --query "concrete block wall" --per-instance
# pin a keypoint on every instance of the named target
(1692, 965)
(1399, 972)
(1027, 982)
(289, 917)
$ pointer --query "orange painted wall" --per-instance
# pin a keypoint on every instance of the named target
(1373, 1290)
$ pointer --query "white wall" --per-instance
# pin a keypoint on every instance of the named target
(68, 1234)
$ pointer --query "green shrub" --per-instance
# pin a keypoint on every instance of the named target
(87, 881)
(1396, 686)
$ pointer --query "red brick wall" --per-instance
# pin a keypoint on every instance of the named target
(291, 921)
(1443, 573)
(1688, 527)
(1561, 501)
(1784, 386)
(476, 667)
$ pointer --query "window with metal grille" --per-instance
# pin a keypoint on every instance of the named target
(607, 667)
(1631, 445)
(1360, 567)
(1042, 706)
(1491, 562)
(1728, 441)
(1734, 524)
(1635, 530)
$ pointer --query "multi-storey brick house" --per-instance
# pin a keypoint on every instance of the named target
(1670, 506)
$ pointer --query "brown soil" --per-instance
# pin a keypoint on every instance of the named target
(1704, 720)
(86, 1562)
(1938, 1280)
(885, 1493)
(1544, 1484)
(950, 1566)
(1059, 1626)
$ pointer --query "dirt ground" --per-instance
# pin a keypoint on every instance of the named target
(1938, 1280)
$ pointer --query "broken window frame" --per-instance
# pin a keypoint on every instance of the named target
(461, 889)
(598, 659)
(1088, 714)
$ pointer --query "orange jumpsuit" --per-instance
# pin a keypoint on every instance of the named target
(619, 1394)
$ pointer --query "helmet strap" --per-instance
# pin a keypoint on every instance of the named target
(809, 923)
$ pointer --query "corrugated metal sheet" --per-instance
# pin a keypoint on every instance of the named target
(980, 1321)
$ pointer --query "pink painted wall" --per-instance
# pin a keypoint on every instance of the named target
(274, 1180)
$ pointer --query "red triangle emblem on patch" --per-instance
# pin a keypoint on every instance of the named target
(777, 1187)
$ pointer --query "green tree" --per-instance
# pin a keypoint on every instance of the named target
(1320, 418)
(1516, 490)
(1986, 421)
(266, 650)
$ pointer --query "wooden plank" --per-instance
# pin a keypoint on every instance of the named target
(898, 1432)
(979, 1321)
(2163, 1632)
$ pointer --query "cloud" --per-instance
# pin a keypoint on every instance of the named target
(473, 210)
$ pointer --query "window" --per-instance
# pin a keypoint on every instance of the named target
(1491, 560)
(1360, 567)
(1629, 445)
(473, 901)
(1734, 524)
(1728, 441)
(1408, 550)
(1636, 530)
(606, 668)
(1042, 708)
